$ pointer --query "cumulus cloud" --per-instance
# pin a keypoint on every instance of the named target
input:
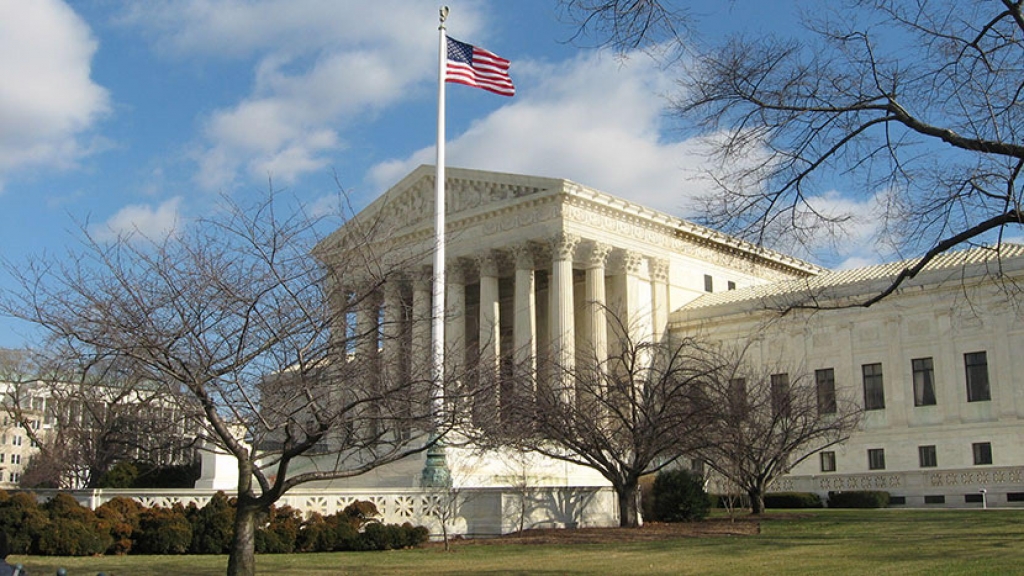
(596, 119)
(319, 65)
(47, 99)
(140, 221)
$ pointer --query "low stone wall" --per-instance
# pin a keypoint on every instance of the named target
(961, 488)
(471, 512)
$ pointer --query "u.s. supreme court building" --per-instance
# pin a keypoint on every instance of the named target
(532, 262)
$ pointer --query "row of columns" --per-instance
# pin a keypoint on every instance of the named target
(567, 253)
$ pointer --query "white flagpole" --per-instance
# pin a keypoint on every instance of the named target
(435, 472)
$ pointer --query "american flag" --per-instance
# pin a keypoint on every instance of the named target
(474, 66)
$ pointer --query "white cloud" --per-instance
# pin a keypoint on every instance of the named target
(140, 221)
(597, 120)
(47, 98)
(318, 66)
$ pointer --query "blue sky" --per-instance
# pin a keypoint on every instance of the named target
(118, 115)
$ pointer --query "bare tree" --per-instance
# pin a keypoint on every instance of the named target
(231, 317)
(759, 425)
(912, 109)
(84, 418)
(623, 417)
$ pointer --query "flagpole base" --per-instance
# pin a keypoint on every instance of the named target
(435, 471)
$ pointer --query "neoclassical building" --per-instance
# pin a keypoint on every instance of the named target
(535, 265)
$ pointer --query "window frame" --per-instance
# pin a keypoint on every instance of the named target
(876, 458)
(709, 283)
(825, 390)
(982, 452)
(828, 460)
(979, 388)
(927, 456)
(923, 377)
(778, 389)
(874, 386)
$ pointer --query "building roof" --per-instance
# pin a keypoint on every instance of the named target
(838, 284)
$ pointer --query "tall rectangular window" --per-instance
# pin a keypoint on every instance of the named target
(828, 461)
(825, 383)
(730, 285)
(876, 459)
(874, 392)
(779, 390)
(927, 457)
(738, 396)
(709, 284)
(924, 382)
(976, 366)
(982, 453)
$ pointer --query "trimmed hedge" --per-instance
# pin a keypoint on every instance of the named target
(792, 500)
(62, 527)
(858, 499)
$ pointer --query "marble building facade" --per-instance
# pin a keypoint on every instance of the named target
(535, 264)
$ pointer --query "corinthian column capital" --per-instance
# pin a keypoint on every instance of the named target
(563, 246)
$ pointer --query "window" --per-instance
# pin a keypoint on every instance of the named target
(15, 477)
(876, 459)
(924, 382)
(780, 394)
(2, 456)
(828, 461)
(825, 382)
(976, 365)
(935, 499)
(697, 466)
(874, 393)
(15, 458)
(927, 457)
(738, 394)
(982, 453)
(730, 285)
(709, 284)
(17, 441)
(973, 498)
(897, 500)
(1015, 496)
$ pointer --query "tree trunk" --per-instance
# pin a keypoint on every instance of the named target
(630, 512)
(242, 559)
(756, 500)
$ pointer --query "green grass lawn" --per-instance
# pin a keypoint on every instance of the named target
(883, 542)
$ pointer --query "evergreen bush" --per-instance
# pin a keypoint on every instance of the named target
(213, 526)
(792, 500)
(858, 499)
(679, 496)
(163, 531)
(71, 537)
(22, 520)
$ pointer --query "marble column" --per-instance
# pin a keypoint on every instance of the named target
(391, 333)
(637, 303)
(455, 323)
(659, 297)
(524, 328)
(421, 362)
(367, 330)
(490, 327)
(596, 304)
(562, 313)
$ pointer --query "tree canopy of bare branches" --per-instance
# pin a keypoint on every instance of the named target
(911, 109)
(759, 425)
(232, 317)
(625, 417)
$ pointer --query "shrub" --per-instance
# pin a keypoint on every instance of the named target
(22, 519)
(163, 531)
(120, 517)
(679, 496)
(120, 475)
(70, 537)
(281, 531)
(213, 526)
(394, 536)
(858, 499)
(792, 500)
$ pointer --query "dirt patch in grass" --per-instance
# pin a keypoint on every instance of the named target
(649, 532)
